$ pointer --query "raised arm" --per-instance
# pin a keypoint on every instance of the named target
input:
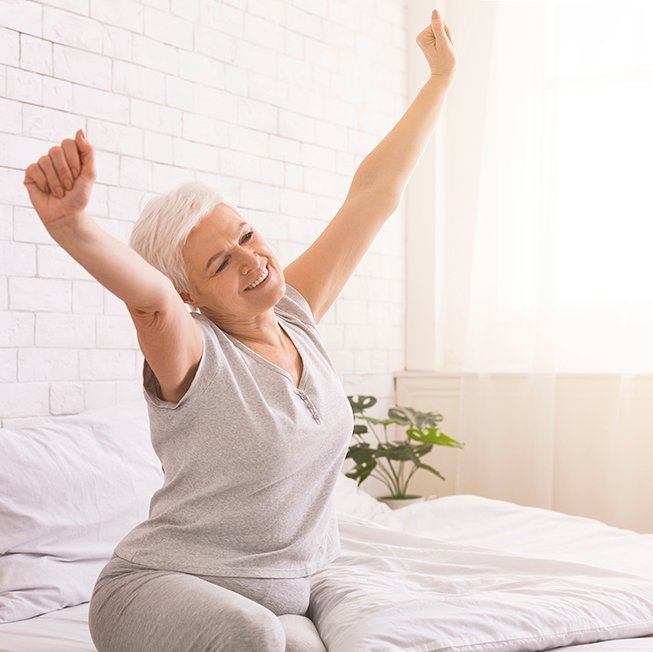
(323, 269)
(390, 164)
(59, 187)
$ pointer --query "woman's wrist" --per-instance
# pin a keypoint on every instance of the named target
(68, 223)
(443, 78)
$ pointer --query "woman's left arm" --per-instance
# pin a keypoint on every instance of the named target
(323, 269)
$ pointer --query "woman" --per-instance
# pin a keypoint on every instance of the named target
(247, 414)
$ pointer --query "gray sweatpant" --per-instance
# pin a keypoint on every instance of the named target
(138, 609)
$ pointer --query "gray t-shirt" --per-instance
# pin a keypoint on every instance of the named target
(250, 461)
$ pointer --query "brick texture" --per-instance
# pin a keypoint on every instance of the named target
(274, 101)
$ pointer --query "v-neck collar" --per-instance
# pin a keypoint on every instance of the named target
(260, 358)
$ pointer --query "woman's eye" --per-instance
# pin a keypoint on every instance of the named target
(246, 238)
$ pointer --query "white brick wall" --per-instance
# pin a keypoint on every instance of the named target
(274, 101)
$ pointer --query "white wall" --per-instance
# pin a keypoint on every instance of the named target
(274, 101)
(596, 471)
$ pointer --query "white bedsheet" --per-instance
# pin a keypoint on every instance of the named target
(457, 567)
(64, 630)
(530, 531)
(392, 590)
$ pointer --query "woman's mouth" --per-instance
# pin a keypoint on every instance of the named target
(261, 280)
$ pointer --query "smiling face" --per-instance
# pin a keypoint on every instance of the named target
(223, 256)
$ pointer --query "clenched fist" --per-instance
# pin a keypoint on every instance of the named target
(436, 43)
(60, 182)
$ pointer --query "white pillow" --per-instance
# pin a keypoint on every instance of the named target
(350, 499)
(70, 488)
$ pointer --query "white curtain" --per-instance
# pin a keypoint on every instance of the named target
(547, 309)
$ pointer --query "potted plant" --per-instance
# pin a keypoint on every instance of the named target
(389, 458)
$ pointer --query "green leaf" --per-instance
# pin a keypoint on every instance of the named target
(380, 422)
(361, 402)
(414, 417)
(365, 463)
(432, 436)
(399, 416)
(361, 452)
(397, 452)
(421, 465)
(421, 431)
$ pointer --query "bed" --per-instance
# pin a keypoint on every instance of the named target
(459, 573)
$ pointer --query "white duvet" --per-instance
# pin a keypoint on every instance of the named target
(460, 573)
(469, 574)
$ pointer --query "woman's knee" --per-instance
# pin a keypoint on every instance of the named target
(301, 634)
(259, 629)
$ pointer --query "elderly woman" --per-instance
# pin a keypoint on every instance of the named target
(247, 413)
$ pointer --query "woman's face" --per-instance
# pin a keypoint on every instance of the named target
(224, 255)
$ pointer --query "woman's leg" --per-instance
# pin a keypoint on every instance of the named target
(288, 599)
(134, 610)
(301, 634)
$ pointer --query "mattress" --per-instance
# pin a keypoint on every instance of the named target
(385, 591)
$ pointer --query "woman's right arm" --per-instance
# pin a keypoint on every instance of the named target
(114, 264)
(59, 186)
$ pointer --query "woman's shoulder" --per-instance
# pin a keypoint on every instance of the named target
(211, 329)
(295, 305)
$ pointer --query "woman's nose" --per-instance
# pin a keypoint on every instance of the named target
(251, 262)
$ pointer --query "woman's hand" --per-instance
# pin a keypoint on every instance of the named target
(437, 45)
(59, 183)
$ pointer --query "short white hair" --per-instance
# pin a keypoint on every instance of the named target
(165, 222)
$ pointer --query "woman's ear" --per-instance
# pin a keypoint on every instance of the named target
(186, 298)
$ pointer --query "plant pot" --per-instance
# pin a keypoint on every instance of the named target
(397, 503)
